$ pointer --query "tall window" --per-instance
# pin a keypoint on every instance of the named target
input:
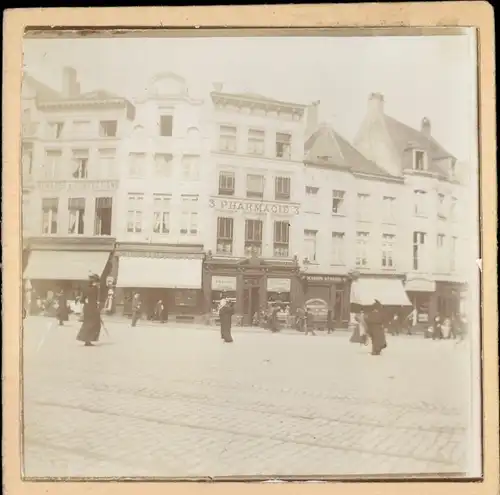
(49, 215)
(81, 129)
(134, 213)
(166, 125)
(255, 186)
(282, 187)
(453, 253)
(137, 164)
(53, 164)
(106, 163)
(420, 198)
(55, 130)
(338, 201)
(227, 138)
(453, 209)
(103, 216)
(108, 128)
(419, 159)
(27, 161)
(310, 245)
(161, 213)
(190, 167)
(224, 235)
(226, 183)
(283, 145)
(338, 239)
(441, 253)
(81, 164)
(163, 165)
(256, 142)
(76, 210)
(362, 249)
(419, 241)
(363, 206)
(441, 205)
(388, 250)
(253, 237)
(281, 239)
(389, 203)
(189, 215)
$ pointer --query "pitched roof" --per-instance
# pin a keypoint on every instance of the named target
(43, 92)
(259, 97)
(327, 147)
(99, 94)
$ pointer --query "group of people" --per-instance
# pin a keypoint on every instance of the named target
(447, 328)
(371, 325)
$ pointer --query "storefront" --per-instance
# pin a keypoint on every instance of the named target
(449, 298)
(56, 264)
(421, 294)
(170, 274)
(330, 292)
(252, 282)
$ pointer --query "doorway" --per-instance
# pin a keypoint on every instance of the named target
(251, 299)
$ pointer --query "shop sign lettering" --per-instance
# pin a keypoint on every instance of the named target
(223, 283)
(83, 185)
(278, 284)
(324, 278)
(254, 207)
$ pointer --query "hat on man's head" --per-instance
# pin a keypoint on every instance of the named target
(93, 277)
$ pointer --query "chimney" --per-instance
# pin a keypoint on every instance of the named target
(218, 87)
(376, 103)
(312, 117)
(70, 86)
(426, 126)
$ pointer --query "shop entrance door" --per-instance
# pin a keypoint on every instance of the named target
(251, 299)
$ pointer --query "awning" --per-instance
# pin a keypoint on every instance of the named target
(420, 285)
(65, 265)
(154, 273)
(390, 292)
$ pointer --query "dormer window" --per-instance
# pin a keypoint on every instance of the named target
(419, 160)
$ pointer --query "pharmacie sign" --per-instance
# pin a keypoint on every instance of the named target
(254, 206)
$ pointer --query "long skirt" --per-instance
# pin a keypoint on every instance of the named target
(90, 329)
(377, 334)
(226, 332)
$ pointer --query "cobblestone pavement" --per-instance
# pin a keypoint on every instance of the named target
(177, 401)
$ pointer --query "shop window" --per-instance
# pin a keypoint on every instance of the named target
(76, 210)
(226, 183)
(362, 239)
(282, 188)
(256, 142)
(134, 212)
(227, 138)
(49, 215)
(225, 235)
(255, 186)
(281, 239)
(103, 216)
(108, 128)
(187, 298)
(253, 237)
(166, 125)
(283, 145)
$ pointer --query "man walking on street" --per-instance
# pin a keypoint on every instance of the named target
(136, 308)
(376, 331)
(91, 326)
(225, 316)
(309, 322)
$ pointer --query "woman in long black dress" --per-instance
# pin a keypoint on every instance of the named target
(91, 326)
(62, 313)
(225, 316)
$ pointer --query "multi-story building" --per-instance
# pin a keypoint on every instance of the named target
(75, 155)
(162, 200)
(255, 194)
(431, 236)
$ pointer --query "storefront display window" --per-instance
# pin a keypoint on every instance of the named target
(186, 298)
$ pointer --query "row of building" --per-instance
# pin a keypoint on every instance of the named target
(182, 198)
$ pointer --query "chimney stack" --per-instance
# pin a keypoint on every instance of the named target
(312, 117)
(70, 86)
(218, 87)
(376, 103)
(426, 126)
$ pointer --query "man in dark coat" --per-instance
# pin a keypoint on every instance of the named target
(225, 316)
(62, 313)
(91, 326)
(159, 312)
(309, 322)
(376, 331)
(136, 308)
(274, 322)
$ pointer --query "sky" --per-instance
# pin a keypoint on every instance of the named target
(431, 76)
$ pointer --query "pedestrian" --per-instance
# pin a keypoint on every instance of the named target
(437, 333)
(62, 312)
(309, 320)
(159, 312)
(91, 326)
(359, 334)
(136, 308)
(274, 323)
(222, 304)
(446, 329)
(226, 313)
(394, 325)
(375, 328)
(329, 321)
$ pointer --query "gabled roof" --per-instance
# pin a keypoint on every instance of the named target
(43, 92)
(326, 147)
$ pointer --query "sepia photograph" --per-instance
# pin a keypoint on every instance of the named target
(251, 256)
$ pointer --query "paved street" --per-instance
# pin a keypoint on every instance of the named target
(176, 401)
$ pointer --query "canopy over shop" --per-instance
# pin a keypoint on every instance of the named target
(388, 291)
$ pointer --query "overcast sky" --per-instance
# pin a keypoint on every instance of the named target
(419, 76)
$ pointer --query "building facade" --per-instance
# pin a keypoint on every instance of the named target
(253, 232)
(162, 200)
(74, 169)
(432, 243)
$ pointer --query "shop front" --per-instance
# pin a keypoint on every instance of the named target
(329, 292)
(252, 283)
(170, 274)
(449, 299)
(421, 293)
(64, 264)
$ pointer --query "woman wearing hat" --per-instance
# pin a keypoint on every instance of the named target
(91, 326)
(375, 323)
